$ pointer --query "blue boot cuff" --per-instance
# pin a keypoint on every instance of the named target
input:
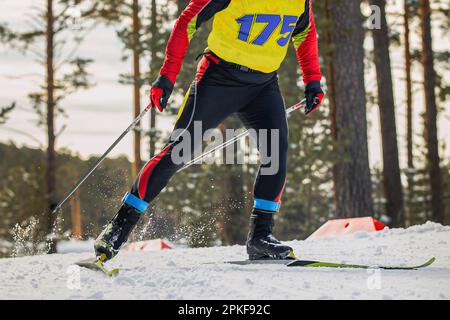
(135, 202)
(266, 205)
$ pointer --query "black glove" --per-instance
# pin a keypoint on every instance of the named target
(160, 92)
(314, 96)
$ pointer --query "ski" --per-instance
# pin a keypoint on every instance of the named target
(315, 264)
(96, 265)
(262, 261)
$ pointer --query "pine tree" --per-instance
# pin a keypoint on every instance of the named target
(431, 112)
(345, 76)
(4, 111)
(409, 109)
(53, 23)
(135, 34)
(391, 166)
(153, 29)
(140, 28)
(115, 12)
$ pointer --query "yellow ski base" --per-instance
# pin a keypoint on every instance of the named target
(315, 264)
(109, 273)
(97, 265)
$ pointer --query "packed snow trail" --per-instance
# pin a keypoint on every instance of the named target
(192, 273)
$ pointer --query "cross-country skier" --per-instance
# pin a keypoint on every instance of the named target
(236, 74)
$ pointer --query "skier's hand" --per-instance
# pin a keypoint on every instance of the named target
(160, 92)
(314, 96)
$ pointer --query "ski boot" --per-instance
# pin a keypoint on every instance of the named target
(116, 232)
(261, 244)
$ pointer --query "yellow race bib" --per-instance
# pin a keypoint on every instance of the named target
(255, 33)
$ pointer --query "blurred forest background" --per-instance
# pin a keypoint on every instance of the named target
(329, 174)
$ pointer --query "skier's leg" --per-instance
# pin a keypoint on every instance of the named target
(267, 112)
(152, 178)
(209, 101)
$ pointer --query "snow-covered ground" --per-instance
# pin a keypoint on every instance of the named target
(199, 273)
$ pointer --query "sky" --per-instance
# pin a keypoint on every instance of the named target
(97, 116)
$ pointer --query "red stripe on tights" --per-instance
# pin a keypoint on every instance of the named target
(147, 170)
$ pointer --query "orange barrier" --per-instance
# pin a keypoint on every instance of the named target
(337, 227)
(148, 245)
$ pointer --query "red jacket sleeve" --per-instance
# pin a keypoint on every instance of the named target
(305, 41)
(178, 43)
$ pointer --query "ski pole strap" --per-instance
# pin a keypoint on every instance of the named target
(266, 205)
(135, 202)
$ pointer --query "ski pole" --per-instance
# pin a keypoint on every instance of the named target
(97, 163)
(234, 139)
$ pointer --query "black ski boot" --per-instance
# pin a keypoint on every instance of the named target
(116, 232)
(261, 244)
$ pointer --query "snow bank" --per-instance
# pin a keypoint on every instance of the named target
(199, 274)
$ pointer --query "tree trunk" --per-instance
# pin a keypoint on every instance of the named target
(136, 88)
(76, 215)
(330, 68)
(153, 74)
(328, 57)
(391, 168)
(50, 177)
(352, 183)
(409, 113)
(431, 136)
